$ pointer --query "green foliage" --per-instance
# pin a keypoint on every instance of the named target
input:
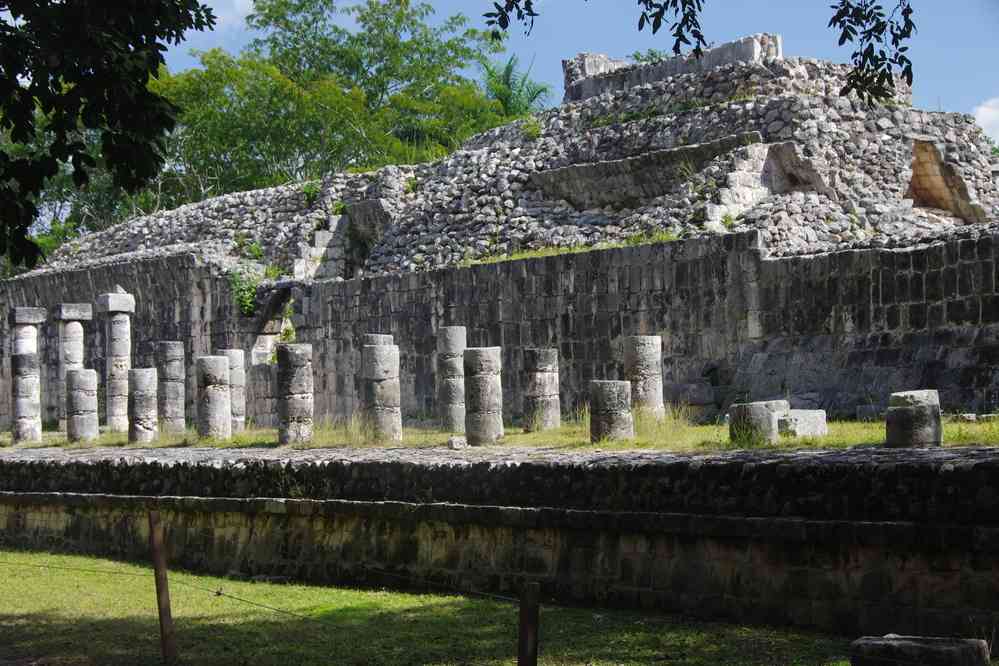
(411, 186)
(311, 190)
(273, 272)
(515, 91)
(728, 221)
(650, 56)
(686, 170)
(530, 129)
(338, 208)
(651, 236)
(244, 291)
(247, 248)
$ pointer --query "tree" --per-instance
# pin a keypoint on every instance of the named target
(75, 66)
(879, 36)
(516, 92)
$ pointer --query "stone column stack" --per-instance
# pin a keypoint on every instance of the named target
(237, 387)
(381, 393)
(214, 408)
(82, 422)
(610, 411)
(118, 308)
(542, 409)
(451, 344)
(643, 367)
(27, 394)
(171, 373)
(483, 395)
(70, 317)
(294, 393)
(143, 421)
(24, 323)
(913, 420)
(756, 423)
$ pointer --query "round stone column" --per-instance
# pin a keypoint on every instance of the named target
(483, 395)
(70, 317)
(24, 323)
(451, 344)
(143, 421)
(610, 411)
(643, 368)
(381, 394)
(81, 405)
(542, 409)
(237, 387)
(913, 420)
(294, 393)
(756, 423)
(171, 373)
(214, 409)
(118, 309)
(26, 391)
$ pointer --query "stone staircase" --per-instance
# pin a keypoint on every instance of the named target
(744, 187)
(312, 257)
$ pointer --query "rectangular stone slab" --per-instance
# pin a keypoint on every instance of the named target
(115, 302)
(73, 312)
(23, 315)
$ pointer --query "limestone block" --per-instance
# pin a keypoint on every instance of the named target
(237, 387)
(610, 411)
(803, 423)
(26, 394)
(643, 367)
(171, 372)
(869, 413)
(451, 344)
(116, 303)
(23, 316)
(917, 426)
(214, 408)
(143, 421)
(381, 392)
(71, 347)
(893, 650)
(755, 423)
(118, 358)
(483, 395)
(82, 422)
(73, 312)
(376, 340)
(542, 407)
(295, 400)
(914, 398)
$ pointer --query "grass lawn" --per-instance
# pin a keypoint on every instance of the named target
(676, 432)
(69, 618)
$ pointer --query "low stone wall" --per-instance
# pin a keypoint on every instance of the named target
(847, 577)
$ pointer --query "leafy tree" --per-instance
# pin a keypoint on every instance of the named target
(516, 92)
(75, 66)
(879, 35)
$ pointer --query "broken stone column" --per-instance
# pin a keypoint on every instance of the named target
(237, 387)
(542, 409)
(643, 367)
(294, 393)
(895, 650)
(913, 420)
(376, 340)
(451, 344)
(118, 308)
(82, 422)
(143, 422)
(26, 390)
(24, 324)
(610, 411)
(171, 393)
(214, 409)
(803, 423)
(381, 396)
(483, 395)
(756, 423)
(70, 317)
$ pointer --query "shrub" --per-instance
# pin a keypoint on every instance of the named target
(311, 191)
(653, 236)
(728, 221)
(244, 291)
(339, 208)
(273, 272)
(411, 186)
(530, 129)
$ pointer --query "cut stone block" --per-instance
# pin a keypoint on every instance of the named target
(803, 423)
(451, 344)
(376, 340)
(914, 398)
(610, 411)
(894, 650)
(73, 312)
(214, 407)
(22, 315)
(542, 407)
(116, 302)
(917, 426)
(754, 423)
(483, 395)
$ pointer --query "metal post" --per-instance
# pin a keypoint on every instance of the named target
(527, 639)
(168, 642)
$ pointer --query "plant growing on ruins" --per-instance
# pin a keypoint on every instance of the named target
(338, 208)
(728, 221)
(244, 291)
(530, 129)
(273, 272)
(516, 92)
(311, 191)
(411, 186)
(651, 236)
(686, 170)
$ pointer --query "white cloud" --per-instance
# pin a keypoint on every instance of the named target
(987, 115)
(230, 13)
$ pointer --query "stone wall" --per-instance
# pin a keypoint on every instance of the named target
(846, 577)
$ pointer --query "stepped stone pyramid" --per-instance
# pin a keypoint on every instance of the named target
(741, 138)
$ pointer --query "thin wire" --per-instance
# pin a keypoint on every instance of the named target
(220, 593)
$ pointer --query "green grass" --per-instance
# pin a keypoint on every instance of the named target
(676, 432)
(641, 238)
(72, 618)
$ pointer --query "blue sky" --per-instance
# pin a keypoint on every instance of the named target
(956, 52)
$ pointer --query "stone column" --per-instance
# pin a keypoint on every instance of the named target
(214, 410)
(610, 411)
(118, 308)
(381, 395)
(70, 317)
(24, 324)
(237, 387)
(913, 420)
(26, 385)
(756, 423)
(542, 409)
(643, 367)
(294, 393)
(451, 344)
(143, 422)
(483, 395)
(81, 405)
(171, 373)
